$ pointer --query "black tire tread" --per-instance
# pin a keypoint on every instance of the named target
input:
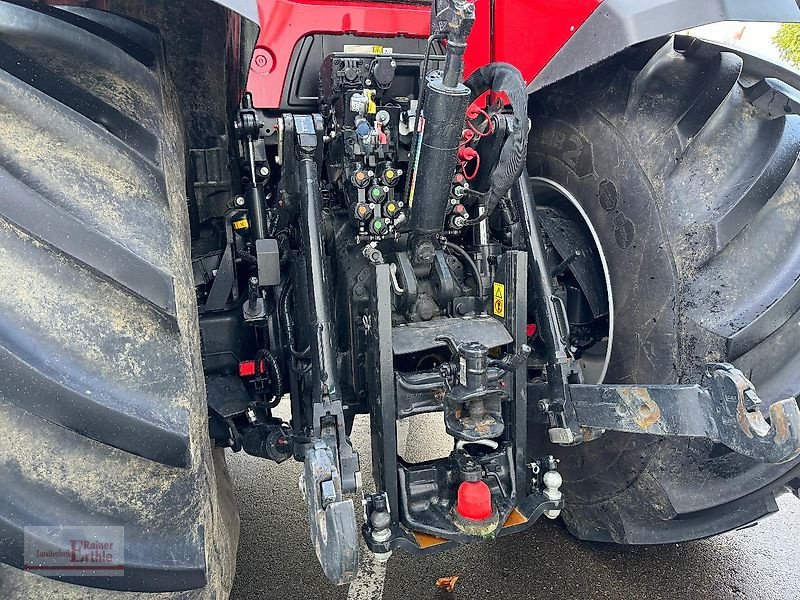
(102, 401)
(707, 180)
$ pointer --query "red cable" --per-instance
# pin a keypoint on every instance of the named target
(473, 112)
(475, 171)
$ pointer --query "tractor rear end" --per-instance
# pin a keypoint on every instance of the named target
(388, 221)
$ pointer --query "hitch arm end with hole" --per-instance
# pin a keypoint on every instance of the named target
(331, 519)
(723, 408)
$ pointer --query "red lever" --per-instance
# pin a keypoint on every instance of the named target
(474, 501)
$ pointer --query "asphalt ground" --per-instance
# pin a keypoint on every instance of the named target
(276, 559)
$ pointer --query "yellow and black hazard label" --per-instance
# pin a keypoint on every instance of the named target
(499, 300)
(367, 49)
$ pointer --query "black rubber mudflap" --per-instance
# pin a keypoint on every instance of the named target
(102, 407)
(692, 183)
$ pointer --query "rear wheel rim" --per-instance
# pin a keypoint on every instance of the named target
(596, 360)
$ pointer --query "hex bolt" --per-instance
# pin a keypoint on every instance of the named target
(239, 201)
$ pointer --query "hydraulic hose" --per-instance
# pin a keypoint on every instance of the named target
(506, 78)
(275, 375)
(427, 386)
(288, 322)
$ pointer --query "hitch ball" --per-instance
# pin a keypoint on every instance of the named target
(552, 482)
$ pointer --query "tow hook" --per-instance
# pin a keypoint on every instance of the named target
(472, 402)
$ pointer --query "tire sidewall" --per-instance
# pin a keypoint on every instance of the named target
(603, 175)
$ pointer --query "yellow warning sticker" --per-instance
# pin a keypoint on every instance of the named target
(499, 304)
(367, 49)
(371, 106)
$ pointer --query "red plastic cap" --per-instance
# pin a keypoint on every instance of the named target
(474, 501)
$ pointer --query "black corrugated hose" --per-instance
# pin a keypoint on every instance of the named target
(506, 78)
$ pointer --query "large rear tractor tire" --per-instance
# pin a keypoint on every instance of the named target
(684, 156)
(103, 415)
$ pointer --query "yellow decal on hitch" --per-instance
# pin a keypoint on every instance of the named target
(499, 300)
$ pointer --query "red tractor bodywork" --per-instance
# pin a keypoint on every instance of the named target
(545, 25)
